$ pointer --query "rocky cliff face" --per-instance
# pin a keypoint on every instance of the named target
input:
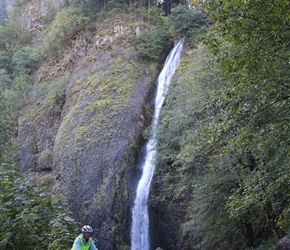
(88, 134)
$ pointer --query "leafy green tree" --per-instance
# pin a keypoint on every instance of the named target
(153, 44)
(12, 36)
(5, 128)
(186, 22)
(30, 218)
(6, 62)
(87, 7)
(252, 106)
(5, 80)
(25, 61)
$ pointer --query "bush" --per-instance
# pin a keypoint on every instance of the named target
(185, 22)
(30, 217)
(25, 61)
(153, 44)
(65, 21)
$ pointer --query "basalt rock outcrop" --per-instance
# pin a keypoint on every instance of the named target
(88, 134)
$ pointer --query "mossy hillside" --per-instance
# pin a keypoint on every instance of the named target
(38, 122)
(32, 16)
(98, 138)
(84, 123)
(85, 45)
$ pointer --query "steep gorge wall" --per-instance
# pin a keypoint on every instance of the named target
(88, 137)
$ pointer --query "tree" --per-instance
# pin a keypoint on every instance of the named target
(186, 22)
(12, 36)
(5, 128)
(250, 44)
(30, 218)
(153, 44)
(25, 61)
(230, 121)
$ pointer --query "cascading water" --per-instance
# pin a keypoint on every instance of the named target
(140, 218)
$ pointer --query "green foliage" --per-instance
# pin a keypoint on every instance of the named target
(63, 225)
(12, 36)
(5, 80)
(13, 100)
(65, 21)
(6, 62)
(88, 7)
(25, 61)
(230, 121)
(23, 86)
(254, 102)
(186, 22)
(113, 7)
(153, 44)
(30, 218)
(157, 17)
(49, 16)
(53, 92)
(236, 136)
(5, 128)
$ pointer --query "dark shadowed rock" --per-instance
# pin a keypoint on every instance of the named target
(283, 244)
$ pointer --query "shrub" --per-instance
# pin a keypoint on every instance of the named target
(153, 44)
(30, 217)
(185, 22)
(25, 61)
(65, 21)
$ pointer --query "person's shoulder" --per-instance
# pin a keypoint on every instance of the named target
(79, 237)
(91, 241)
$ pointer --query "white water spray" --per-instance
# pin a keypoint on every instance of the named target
(140, 219)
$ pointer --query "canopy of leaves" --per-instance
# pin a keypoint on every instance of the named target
(153, 44)
(30, 218)
(5, 128)
(186, 22)
(25, 61)
(12, 36)
(252, 50)
(252, 107)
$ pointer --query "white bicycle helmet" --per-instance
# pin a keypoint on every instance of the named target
(87, 229)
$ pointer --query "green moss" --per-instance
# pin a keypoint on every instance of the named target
(80, 131)
(99, 104)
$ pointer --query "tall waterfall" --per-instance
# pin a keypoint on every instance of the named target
(140, 218)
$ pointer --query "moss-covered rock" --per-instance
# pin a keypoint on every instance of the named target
(88, 133)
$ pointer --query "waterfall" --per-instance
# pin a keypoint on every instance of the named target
(140, 218)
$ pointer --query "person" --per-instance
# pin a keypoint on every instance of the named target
(84, 241)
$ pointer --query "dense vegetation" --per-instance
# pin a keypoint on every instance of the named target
(229, 113)
(31, 215)
(223, 139)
